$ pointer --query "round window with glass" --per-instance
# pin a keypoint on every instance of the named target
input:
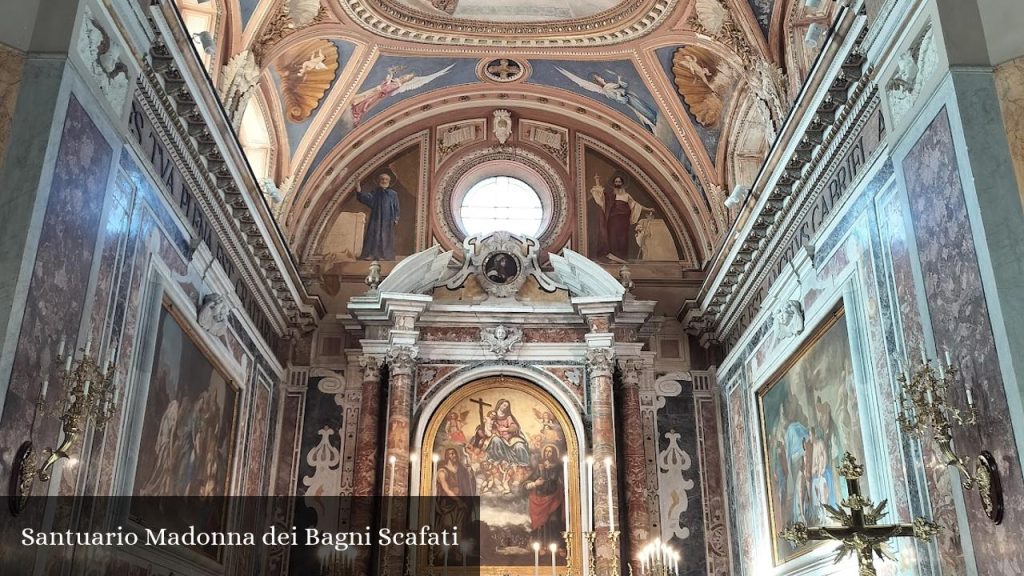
(501, 203)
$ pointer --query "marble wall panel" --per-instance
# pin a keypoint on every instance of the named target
(1009, 79)
(960, 321)
(713, 485)
(55, 304)
(682, 522)
(12, 64)
(940, 495)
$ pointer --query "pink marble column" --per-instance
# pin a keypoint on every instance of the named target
(635, 469)
(364, 474)
(402, 363)
(600, 362)
(366, 456)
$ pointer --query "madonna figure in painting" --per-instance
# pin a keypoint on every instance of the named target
(379, 240)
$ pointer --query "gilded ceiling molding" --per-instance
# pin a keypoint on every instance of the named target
(691, 256)
(391, 19)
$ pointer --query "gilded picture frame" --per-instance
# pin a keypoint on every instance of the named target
(539, 414)
(808, 418)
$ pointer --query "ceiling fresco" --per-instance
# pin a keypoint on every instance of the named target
(303, 76)
(510, 10)
(689, 86)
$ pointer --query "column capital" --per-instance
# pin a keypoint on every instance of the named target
(632, 369)
(371, 363)
(402, 359)
(601, 361)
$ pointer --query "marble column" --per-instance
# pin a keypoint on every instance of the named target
(366, 457)
(402, 364)
(634, 475)
(600, 364)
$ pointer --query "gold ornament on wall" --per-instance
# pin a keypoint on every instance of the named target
(307, 71)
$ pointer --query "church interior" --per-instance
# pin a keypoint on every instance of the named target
(659, 287)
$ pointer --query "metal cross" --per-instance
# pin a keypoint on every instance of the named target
(860, 532)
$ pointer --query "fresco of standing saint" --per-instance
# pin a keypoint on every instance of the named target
(379, 239)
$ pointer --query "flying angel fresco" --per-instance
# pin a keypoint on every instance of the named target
(618, 91)
(397, 81)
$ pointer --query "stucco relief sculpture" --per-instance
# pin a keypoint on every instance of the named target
(500, 339)
(913, 68)
(213, 314)
(789, 320)
(238, 80)
(502, 126)
(103, 56)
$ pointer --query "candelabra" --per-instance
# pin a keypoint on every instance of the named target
(567, 537)
(926, 390)
(90, 393)
(334, 562)
(613, 538)
(659, 559)
(590, 537)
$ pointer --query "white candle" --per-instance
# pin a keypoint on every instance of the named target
(942, 372)
(391, 482)
(88, 346)
(60, 348)
(85, 390)
(46, 384)
(435, 459)
(537, 559)
(928, 393)
(611, 512)
(924, 355)
(113, 355)
(554, 548)
(590, 485)
(565, 491)
(970, 395)
(67, 363)
(946, 353)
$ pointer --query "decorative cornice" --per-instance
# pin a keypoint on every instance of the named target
(845, 98)
(220, 175)
(391, 19)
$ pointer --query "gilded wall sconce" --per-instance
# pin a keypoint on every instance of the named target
(89, 393)
(924, 406)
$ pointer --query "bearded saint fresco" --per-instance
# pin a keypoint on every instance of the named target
(504, 445)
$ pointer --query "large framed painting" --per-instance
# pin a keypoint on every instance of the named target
(187, 433)
(503, 440)
(809, 419)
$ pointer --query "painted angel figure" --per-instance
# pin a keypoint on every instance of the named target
(618, 91)
(316, 61)
(397, 81)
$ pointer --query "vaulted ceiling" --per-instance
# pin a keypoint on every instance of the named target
(693, 90)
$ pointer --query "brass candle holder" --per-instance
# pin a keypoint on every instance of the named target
(90, 393)
(924, 406)
(590, 538)
(613, 537)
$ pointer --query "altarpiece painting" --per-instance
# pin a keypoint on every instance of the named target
(187, 432)
(502, 440)
(809, 419)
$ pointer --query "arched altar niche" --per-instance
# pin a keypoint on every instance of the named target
(525, 421)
